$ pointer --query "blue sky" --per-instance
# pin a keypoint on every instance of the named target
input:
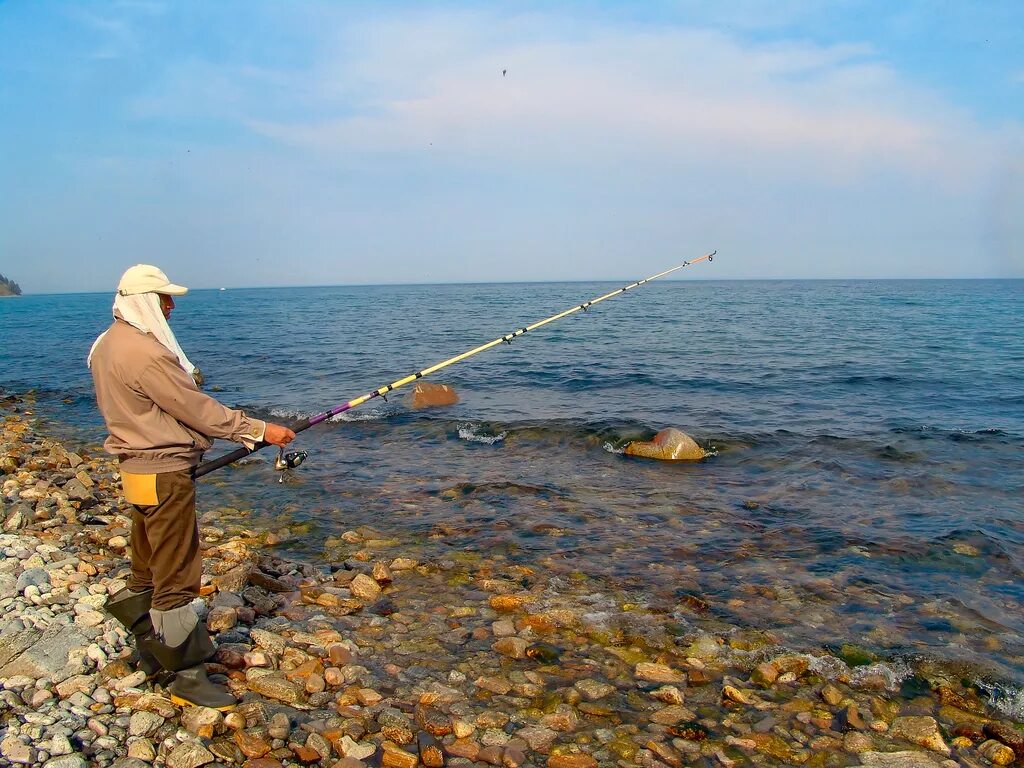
(239, 144)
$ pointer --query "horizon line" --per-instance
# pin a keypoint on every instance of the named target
(540, 282)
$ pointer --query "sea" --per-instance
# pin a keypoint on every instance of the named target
(864, 483)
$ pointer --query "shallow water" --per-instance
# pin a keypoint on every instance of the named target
(868, 473)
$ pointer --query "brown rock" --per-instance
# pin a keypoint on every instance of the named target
(339, 655)
(923, 731)
(658, 673)
(221, 618)
(513, 647)
(508, 603)
(394, 756)
(433, 721)
(251, 744)
(381, 573)
(278, 688)
(304, 754)
(538, 738)
(491, 755)
(1008, 735)
(426, 395)
(365, 588)
(466, 748)
(668, 445)
(579, 760)
(263, 762)
(430, 751)
(997, 752)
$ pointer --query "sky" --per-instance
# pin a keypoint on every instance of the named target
(321, 143)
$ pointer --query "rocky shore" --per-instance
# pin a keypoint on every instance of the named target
(379, 659)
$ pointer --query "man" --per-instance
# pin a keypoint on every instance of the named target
(160, 424)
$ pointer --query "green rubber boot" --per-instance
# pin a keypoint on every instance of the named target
(132, 610)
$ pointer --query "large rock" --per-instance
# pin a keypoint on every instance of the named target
(45, 656)
(920, 730)
(427, 395)
(668, 445)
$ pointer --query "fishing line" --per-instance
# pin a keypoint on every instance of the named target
(293, 459)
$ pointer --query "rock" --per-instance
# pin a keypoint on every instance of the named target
(580, 760)
(765, 674)
(280, 726)
(593, 690)
(49, 657)
(1008, 735)
(673, 715)
(900, 760)
(538, 738)
(221, 619)
(365, 588)
(393, 756)
(997, 752)
(276, 687)
(668, 445)
(251, 744)
(668, 694)
(17, 752)
(270, 641)
(427, 395)
(382, 573)
(831, 695)
(8, 586)
(856, 742)
(32, 577)
(144, 723)
(67, 761)
(498, 685)
(923, 731)
(429, 749)
(189, 755)
(142, 749)
(356, 750)
(201, 721)
(151, 702)
(513, 647)
(564, 719)
(492, 755)
(658, 673)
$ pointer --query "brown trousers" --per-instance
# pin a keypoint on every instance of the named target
(165, 552)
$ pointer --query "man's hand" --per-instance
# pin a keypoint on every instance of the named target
(277, 435)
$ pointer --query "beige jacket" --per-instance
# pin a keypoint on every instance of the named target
(158, 419)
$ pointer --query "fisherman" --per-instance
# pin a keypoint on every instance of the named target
(160, 424)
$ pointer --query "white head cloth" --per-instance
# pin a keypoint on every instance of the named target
(142, 310)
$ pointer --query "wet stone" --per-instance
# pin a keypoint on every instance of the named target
(658, 673)
(579, 760)
(189, 755)
(923, 731)
(593, 690)
(492, 755)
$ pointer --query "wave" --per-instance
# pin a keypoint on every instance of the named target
(472, 432)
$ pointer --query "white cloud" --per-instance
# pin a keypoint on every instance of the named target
(601, 94)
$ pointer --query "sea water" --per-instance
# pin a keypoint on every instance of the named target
(866, 474)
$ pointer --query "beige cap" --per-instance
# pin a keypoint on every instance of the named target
(145, 278)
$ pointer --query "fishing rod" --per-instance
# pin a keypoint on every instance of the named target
(294, 458)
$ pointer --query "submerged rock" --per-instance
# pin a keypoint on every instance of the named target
(668, 445)
(427, 395)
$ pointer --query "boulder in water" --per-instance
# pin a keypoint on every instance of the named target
(668, 445)
(427, 395)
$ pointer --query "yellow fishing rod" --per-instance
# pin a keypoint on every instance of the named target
(295, 458)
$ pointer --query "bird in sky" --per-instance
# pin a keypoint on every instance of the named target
(503, 72)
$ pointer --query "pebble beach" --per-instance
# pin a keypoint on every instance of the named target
(386, 659)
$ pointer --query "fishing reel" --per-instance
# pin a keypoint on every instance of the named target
(289, 460)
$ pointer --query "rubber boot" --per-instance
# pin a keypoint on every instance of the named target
(191, 686)
(132, 610)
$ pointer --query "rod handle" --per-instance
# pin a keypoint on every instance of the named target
(228, 458)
